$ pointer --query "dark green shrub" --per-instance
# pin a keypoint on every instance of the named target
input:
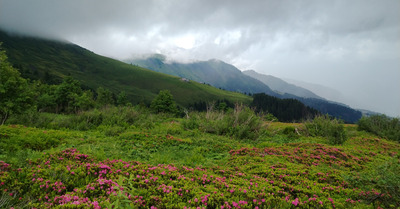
(164, 103)
(324, 126)
(191, 123)
(382, 126)
(290, 132)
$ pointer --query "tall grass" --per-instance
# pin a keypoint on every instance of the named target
(109, 116)
(240, 122)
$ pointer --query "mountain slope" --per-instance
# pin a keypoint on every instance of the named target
(223, 75)
(323, 91)
(50, 61)
(213, 72)
(280, 85)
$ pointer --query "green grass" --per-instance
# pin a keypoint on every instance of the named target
(172, 166)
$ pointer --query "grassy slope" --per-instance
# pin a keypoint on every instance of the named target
(37, 57)
(275, 170)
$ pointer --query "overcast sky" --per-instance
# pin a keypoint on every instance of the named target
(349, 45)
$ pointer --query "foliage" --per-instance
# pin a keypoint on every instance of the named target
(345, 113)
(382, 126)
(46, 100)
(68, 97)
(382, 177)
(324, 126)
(306, 175)
(286, 110)
(104, 97)
(270, 117)
(241, 122)
(122, 100)
(164, 103)
(16, 95)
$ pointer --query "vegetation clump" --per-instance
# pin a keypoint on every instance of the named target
(382, 126)
(164, 103)
(240, 122)
(325, 126)
(16, 95)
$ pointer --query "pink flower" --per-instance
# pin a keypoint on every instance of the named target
(287, 198)
(295, 202)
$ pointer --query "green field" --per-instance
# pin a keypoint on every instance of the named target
(138, 159)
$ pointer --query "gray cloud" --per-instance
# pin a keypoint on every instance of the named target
(351, 46)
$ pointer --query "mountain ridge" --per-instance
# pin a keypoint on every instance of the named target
(282, 86)
(50, 61)
(221, 77)
(214, 72)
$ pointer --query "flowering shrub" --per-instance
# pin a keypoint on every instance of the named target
(293, 175)
(160, 168)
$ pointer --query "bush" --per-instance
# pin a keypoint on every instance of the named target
(324, 126)
(290, 132)
(164, 103)
(382, 126)
(241, 123)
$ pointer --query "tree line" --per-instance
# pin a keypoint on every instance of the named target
(19, 95)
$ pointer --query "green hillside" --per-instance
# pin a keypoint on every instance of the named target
(51, 61)
(214, 72)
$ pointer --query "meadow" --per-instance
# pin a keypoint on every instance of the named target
(131, 157)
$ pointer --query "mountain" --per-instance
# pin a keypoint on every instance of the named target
(323, 91)
(226, 76)
(50, 61)
(214, 72)
(324, 106)
(280, 85)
